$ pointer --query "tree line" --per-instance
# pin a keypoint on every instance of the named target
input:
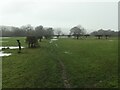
(48, 32)
(26, 30)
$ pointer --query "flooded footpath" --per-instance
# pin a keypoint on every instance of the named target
(2, 53)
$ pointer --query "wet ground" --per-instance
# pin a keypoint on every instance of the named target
(2, 53)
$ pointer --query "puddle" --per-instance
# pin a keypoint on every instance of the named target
(9, 47)
(53, 40)
(55, 37)
(4, 54)
(64, 37)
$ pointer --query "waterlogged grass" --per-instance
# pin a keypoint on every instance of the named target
(89, 63)
(33, 68)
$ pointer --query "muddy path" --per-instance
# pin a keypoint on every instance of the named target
(54, 51)
(64, 75)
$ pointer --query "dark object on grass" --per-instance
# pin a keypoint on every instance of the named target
(3, 48)
(19, 44)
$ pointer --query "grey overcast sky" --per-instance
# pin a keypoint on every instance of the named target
(91, 14)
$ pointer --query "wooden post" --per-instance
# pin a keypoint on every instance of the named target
(19, 44)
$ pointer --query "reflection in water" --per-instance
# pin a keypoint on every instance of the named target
(53, 40)
(4, 54)
(7, 47)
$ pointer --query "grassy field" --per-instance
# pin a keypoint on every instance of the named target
(84, 63)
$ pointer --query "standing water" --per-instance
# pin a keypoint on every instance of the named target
(4, 54)
(7, 47)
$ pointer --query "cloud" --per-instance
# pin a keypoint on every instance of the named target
(59, 13)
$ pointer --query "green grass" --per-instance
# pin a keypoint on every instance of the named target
(88, 63)
(91, 63)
